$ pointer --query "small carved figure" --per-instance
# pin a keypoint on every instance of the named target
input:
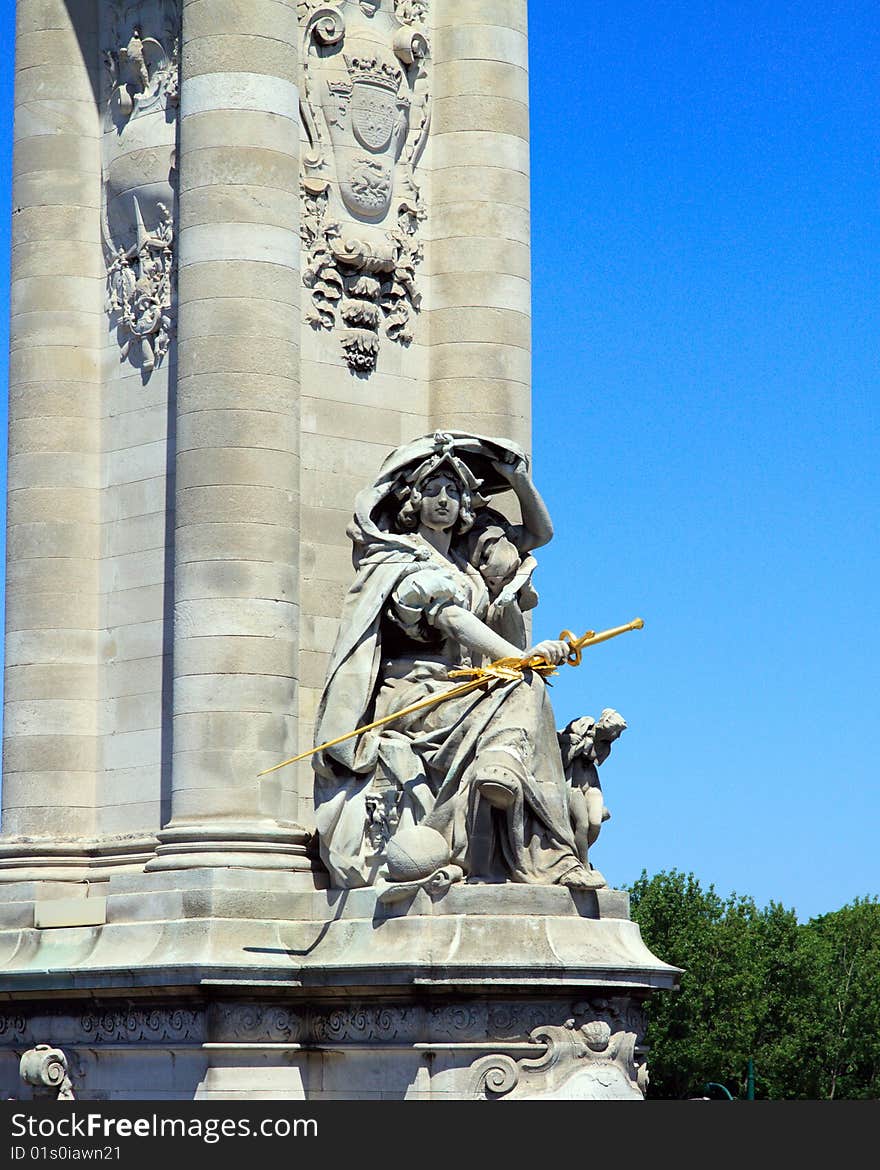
(585, 745)
(139, 290)
(508, 577)
(140, 49)
(132, 59)
(141, 73)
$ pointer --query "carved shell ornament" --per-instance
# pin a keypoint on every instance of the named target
(365, 108)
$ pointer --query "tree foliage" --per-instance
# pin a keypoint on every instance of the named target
(801, 1001)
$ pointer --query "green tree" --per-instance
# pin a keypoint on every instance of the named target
(841, 1039)
(787, 1004)
(743, 974)
(802, 1001)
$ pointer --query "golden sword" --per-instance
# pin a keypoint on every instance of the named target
(503, 669)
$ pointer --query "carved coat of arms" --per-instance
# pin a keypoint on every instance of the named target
(365, 108)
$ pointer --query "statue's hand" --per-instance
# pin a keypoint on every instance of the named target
(506, 597)
(551, 651)
(513, 468)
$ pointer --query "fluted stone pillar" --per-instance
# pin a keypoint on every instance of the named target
(236, 615)
(51, 747)
(478, 259)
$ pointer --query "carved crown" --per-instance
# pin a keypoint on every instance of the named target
(373, 71)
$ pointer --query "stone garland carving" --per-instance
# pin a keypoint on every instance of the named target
(143, 76)
(366, 112)
(583, 1061)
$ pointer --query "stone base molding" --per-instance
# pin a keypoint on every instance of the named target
(232, 983)
(53, 859)
(256, 845)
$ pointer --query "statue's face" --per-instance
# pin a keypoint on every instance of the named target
(441, 502)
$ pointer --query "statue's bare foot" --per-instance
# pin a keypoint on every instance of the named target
(583, 879)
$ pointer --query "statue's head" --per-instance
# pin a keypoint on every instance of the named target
(440, 495)
(499, 561)
(438, 485)
(440, 504)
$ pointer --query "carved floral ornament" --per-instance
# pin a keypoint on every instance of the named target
(366, 109)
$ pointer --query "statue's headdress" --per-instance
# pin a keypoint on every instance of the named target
(393, 502)
(442, 459)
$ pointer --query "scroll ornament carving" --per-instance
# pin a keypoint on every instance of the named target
(13, 1028)
(587, 1061)
(252, 1023)
(45, 1067)
(366, 112)
(137, 1024)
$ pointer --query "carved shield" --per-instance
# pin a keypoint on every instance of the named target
(373, 114)
(367, 187)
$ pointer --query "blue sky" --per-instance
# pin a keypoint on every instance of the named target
(706, 412)
(706, 321)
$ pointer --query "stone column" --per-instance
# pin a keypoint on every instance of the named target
(237, 445)
(478, 258)
(50, 756)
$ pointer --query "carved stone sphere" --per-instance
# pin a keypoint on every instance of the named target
(415, 853)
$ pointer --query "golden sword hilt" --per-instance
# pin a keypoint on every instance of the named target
(591, 638)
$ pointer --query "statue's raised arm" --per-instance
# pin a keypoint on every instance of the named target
(464, 787)
(536, 528)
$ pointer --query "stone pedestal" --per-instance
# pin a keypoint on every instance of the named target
(229, 984)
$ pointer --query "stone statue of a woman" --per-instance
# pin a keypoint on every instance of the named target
(474, 783)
